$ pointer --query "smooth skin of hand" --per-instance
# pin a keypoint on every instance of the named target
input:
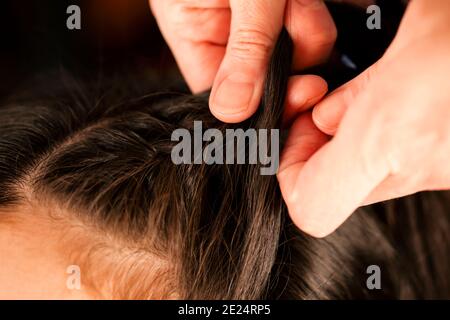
(227, 44)
(391, 128)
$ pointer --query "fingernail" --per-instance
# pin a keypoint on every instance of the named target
(234, 94)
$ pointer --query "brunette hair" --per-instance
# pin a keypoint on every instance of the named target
(208, 231)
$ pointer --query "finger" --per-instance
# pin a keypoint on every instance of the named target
(312, 30)
(201, 25)
(359, 3)
(238, 86)
(387, 190)
(395, 186)
(200, 28)
(336, 180)
(200, 66)
(303, 93)
(202, 4)
(328, 113)
(304, 139)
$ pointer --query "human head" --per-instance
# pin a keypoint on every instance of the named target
(93, 185)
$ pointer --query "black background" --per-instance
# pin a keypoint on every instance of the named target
(120, 37)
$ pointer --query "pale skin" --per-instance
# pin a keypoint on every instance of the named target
(33, 265)
(47, 253)
(384, 135)
(391, 137)
(227, 44)
(390, 128)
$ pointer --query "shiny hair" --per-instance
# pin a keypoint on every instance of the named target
(199, 231)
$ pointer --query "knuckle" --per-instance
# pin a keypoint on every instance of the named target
(250, 42)
(180, 17)
(381, 158)
(368, 170)
(182, 21)
(350, 93)
(375, 158)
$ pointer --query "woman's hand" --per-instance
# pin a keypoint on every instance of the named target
(227, 44)
(391, 128)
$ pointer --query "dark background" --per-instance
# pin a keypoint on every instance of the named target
(119, 38)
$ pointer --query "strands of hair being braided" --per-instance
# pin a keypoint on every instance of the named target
(212, 231)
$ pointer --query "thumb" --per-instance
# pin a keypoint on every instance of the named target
(324, 191)
(328, 113)
(238, 86)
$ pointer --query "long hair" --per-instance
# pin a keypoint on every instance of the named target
(200, 231)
